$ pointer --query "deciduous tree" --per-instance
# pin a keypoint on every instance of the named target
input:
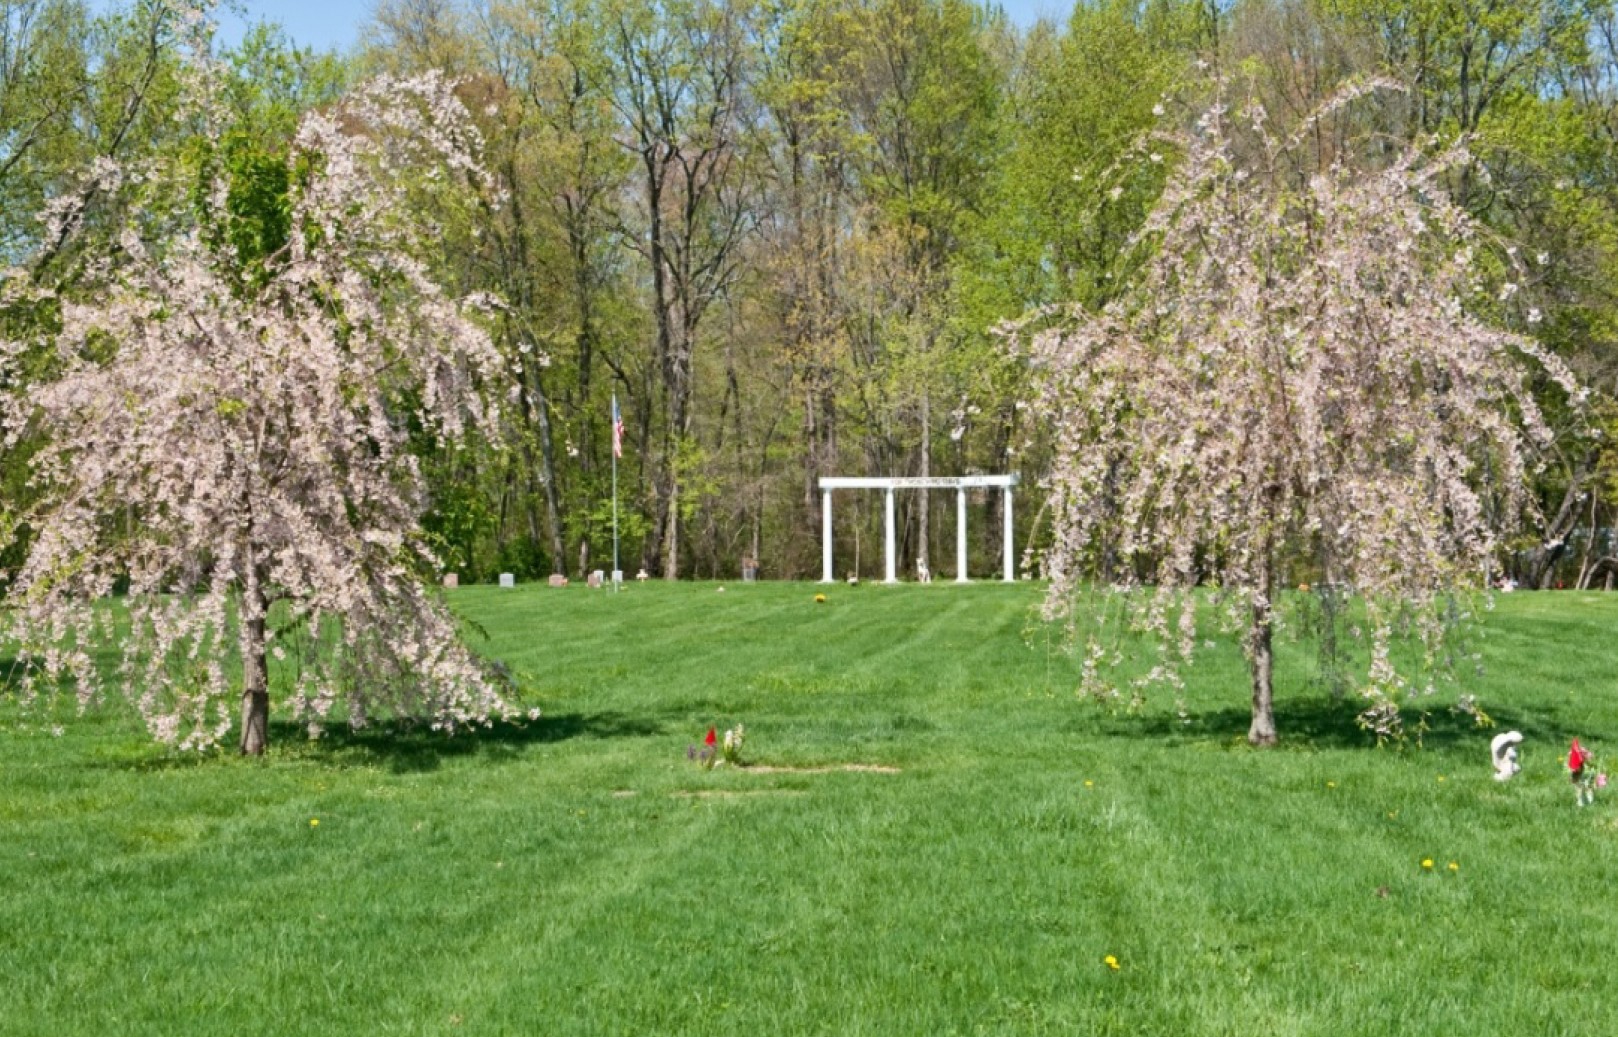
(227, 440)
(1313, 367)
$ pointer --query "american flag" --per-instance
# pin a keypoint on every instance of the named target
(617, 429)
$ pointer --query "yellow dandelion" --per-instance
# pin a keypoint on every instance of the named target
(820, 599)
(1111, 962)
(314, 822)
(1089, 784)
(1454, 866)
(1427, 864)
(1440, 777)
(1331, 784)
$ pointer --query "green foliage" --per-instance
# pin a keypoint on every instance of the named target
(903, 175)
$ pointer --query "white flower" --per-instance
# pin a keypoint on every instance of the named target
(1156, 157)
(1507, 291)
(1157, 109)
(1534, 316)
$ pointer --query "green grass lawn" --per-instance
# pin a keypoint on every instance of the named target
(578, 875)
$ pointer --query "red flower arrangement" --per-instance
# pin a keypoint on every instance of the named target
(1576, 758)
(712, 754)
(1585, 773)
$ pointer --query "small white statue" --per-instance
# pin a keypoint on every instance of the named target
(923, 574)
(1504, 751)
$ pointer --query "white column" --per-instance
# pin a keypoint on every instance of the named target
(960, 534)
(893, 575)
(1011, 566)
(825, 537)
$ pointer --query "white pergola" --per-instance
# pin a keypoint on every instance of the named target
(960, 484)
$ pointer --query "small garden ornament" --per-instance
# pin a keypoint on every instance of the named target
(1503, 749)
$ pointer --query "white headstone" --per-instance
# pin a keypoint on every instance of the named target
(508, 580)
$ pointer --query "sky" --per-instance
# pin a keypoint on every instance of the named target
(324, 24)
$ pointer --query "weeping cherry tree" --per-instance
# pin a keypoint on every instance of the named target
(1313, 369)
(227, 440)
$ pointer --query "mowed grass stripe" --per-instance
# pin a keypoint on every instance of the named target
(510, 883)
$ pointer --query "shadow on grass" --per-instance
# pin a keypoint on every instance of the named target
(412, 748)
(399, 746)
(1327, 723)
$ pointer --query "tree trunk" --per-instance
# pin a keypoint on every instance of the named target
(255, 675)
(1262, 731)
(671, 536)
(547, 450)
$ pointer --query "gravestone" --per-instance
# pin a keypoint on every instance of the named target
(749, 570)
(452, 580)
(508, 580)
(595, 580)
(558, 580)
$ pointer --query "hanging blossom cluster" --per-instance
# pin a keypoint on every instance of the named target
(229, 447)
(1299, 376)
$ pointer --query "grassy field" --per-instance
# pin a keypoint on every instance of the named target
(578, 875)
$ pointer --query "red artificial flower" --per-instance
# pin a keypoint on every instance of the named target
(710, 740)
(1576, 758)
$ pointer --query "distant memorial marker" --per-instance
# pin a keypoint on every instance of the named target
(595, 580)
(508, 580)
(960, 484)
(558, 580)
(452, 580)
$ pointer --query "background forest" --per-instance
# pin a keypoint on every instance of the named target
(783, 232)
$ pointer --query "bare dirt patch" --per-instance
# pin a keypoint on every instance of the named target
(732, 793)
(850, 768)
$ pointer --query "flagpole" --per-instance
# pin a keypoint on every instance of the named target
(616, 440)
